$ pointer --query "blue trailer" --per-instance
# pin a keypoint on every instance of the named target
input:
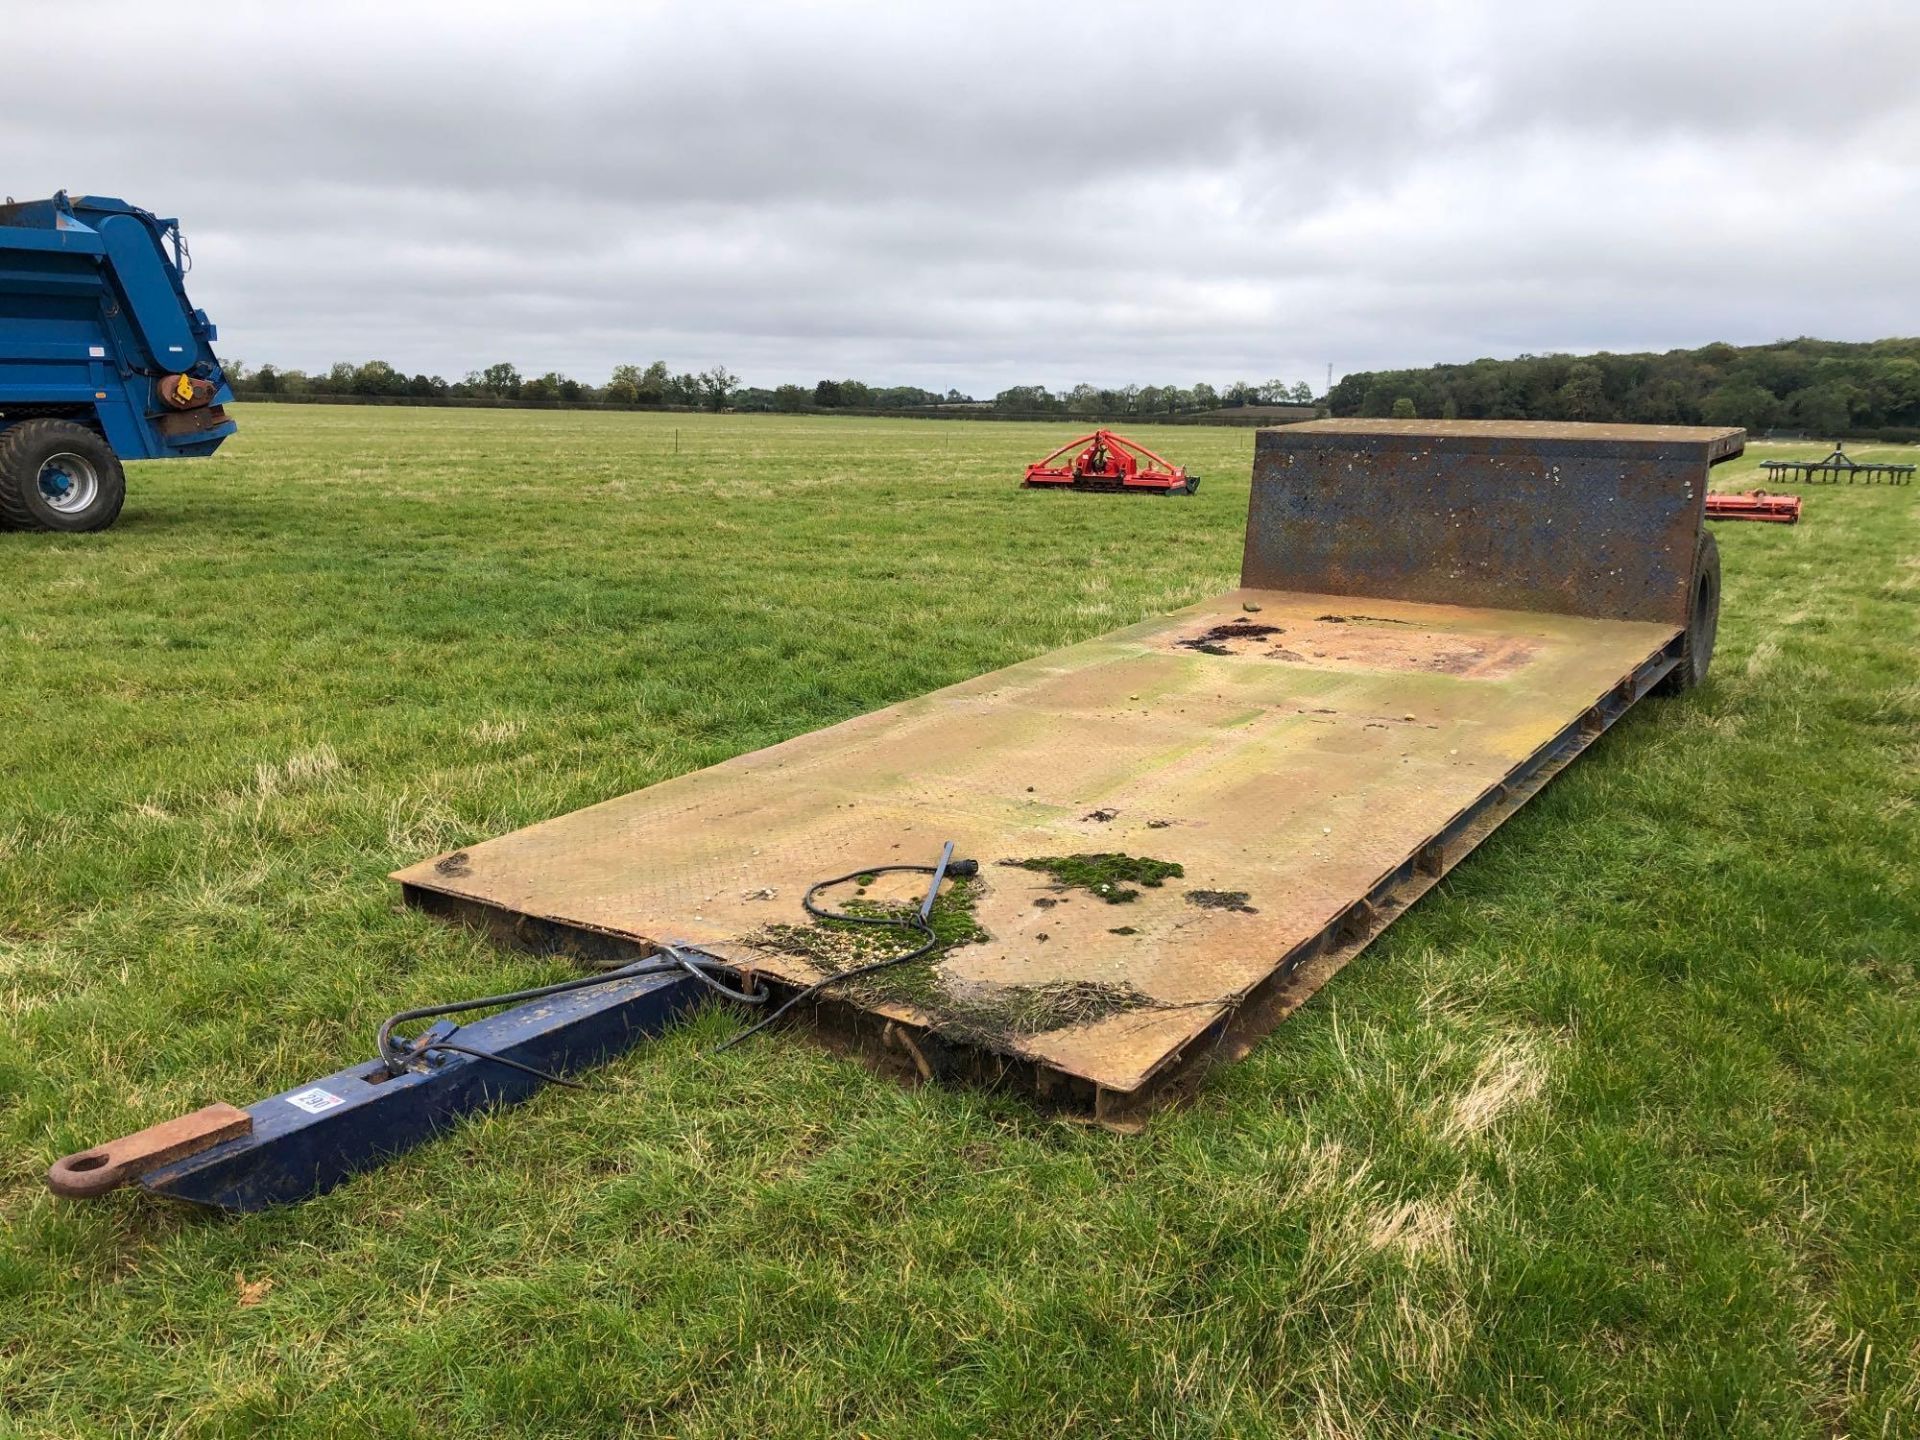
(102, 358)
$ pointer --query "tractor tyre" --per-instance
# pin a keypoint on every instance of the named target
(56, 475)
(1696, 646)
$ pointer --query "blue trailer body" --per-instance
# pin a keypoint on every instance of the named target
(96, 329)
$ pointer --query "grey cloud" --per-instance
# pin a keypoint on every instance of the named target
(995, 193)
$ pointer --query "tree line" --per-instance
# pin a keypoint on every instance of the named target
(1825, 387)
(651, 385)
(377, 380)
(1146, 400)
(720, 389)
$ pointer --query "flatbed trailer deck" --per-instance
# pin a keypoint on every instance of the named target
(1302, 758)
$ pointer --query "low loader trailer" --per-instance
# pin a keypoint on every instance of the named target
(1093, 874)
(102, 359)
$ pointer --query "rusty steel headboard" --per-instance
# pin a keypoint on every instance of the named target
(1599, 520)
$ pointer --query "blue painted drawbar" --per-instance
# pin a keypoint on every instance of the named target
(307, 1140)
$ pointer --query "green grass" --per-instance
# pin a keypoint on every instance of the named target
(1615, 1133)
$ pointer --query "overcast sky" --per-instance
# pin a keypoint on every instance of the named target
(978, 195)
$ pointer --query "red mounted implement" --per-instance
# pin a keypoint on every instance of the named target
(1754, 505)
(1111, 462)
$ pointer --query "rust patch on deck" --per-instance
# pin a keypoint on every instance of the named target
(1368, 642)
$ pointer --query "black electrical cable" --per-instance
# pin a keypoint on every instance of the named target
(914, 920)
(394, 1054)
(699, 969)
(533, 1070)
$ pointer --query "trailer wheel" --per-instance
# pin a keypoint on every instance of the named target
(1696, 646)
(56, 475)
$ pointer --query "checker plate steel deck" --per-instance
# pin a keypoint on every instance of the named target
(1328, 741)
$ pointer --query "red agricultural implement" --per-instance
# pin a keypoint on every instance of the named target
(1111, 462)
(1754, 505)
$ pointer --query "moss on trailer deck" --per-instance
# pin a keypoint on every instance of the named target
(973, 1012)
(836, 945)
(1106, 875)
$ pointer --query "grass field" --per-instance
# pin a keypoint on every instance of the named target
(1617, 1133)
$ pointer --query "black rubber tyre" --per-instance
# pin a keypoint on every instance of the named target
(95, 487)
(1696, 647)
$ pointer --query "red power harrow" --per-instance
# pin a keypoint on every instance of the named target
(1111, 462)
